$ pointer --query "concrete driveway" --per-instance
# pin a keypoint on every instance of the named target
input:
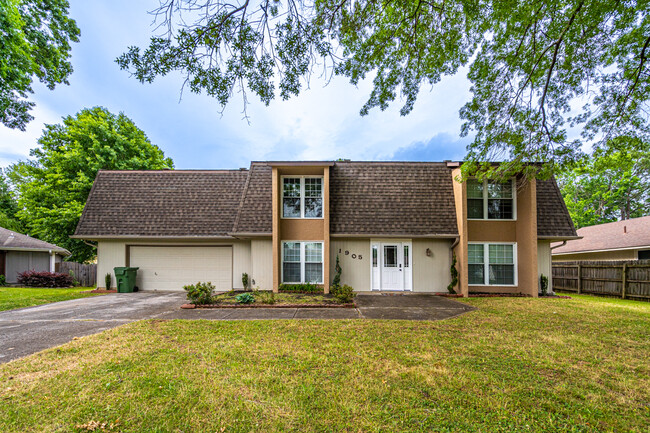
(29, 330)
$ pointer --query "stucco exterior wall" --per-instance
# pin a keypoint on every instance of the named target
(603, 255)
(354, 272)
(460, 200)
(110, 254)
(20, 261)
(113, 253)
(431, 273)
(296, 229)
(262, 264)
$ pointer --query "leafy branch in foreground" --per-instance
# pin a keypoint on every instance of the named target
(537, 68)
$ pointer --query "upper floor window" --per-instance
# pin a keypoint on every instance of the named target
(490, 200)
(302, 197)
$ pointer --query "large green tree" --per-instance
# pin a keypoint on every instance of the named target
(35, 43)
(8, 206)
(53, 187)
(611, 184)
(536, 67)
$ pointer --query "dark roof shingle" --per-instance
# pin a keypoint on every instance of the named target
(12, 240)
(255, 214)
(553, 219)
(392, 198)
(162, 203)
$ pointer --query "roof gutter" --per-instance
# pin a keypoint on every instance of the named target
(559, 246)
(393, 235)
(140, 237)
(62, 251)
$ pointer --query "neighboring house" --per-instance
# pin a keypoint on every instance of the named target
(20, 253)
(620, 240)
(394, 226)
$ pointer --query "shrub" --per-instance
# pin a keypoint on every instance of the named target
(75, 282)
(454, 275)
(3, 280)
(108, 279)
(245, 298)
(543, 282)
(44, 279)
(337, 277)
(200, 293)
(344, 293)
(244, 280)
(265, 297)
(300, 288)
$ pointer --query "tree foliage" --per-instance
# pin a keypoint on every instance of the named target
(36, 37)
(536, 67)
(610, 185)
(53, 187)
(8, 206)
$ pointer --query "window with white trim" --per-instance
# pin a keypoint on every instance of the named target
(302, 262)
(490, 199)
(302, 197)
(492, 264)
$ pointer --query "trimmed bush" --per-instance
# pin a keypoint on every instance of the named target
(200, 293)
(44, 279)
(543, 282)
(300, 288)
(344, 293)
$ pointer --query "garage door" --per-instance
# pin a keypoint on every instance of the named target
(171, 268)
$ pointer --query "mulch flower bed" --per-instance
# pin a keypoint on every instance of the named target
(102, 291)
(193, 306)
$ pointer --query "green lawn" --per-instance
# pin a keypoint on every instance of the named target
(19, 297)
(516, 364)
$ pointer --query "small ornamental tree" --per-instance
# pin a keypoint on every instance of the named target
(336, 282)
(454, 276)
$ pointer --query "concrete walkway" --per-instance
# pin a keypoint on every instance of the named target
(29, 330)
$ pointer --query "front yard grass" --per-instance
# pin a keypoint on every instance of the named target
(20, 297)
(516, 364)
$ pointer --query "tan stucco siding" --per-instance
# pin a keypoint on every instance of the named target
(110, 254)
(114, 253)
(302, 229)
(355, 272)
(491, 231)
(431, 273)
(262, 264)
(602, 255)
(544, 263)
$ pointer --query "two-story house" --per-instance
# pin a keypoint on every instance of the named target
(395, 226)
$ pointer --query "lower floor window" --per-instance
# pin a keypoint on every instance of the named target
(302, 262)
(492, 264)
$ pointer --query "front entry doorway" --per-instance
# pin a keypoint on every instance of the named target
(391, 265)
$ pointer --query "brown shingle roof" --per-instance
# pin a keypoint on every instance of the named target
(611, 236)
(255, 213)
(366, 198)
(553, 219)
(392, 198)
(162, 203)
(11, 240)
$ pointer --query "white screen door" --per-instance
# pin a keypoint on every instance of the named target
(392, 267)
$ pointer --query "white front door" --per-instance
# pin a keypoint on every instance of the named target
(392, 267)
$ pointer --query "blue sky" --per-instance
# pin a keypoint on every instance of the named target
(322, 123)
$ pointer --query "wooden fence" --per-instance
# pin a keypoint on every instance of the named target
(623, 279)
(86, 274)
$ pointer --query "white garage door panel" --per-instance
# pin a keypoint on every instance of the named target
(171, 268)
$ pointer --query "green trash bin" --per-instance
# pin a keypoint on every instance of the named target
(125, 277)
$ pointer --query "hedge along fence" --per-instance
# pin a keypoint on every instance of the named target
(623, 279)
(85, 273)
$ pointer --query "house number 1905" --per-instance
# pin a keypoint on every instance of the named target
(347, 253)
